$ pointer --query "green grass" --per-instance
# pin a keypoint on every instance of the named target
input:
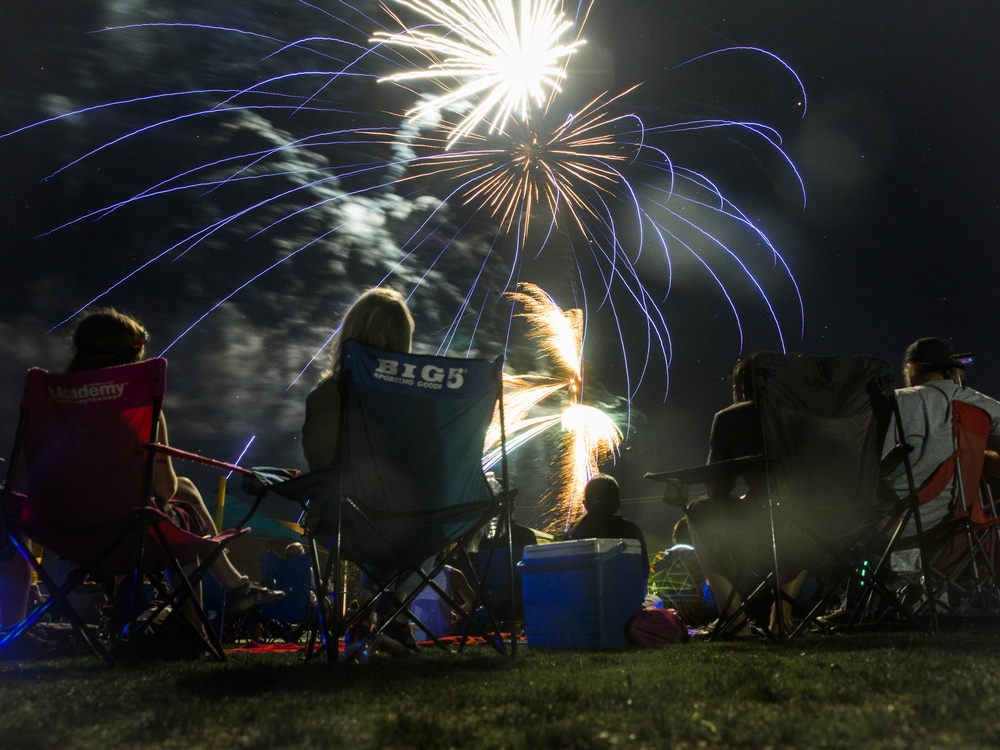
(897, 690)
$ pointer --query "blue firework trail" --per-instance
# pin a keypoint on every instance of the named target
(596, 184)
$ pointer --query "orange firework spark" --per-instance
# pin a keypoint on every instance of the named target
(589, 436)
(508, 174)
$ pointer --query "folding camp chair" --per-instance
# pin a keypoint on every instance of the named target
(823, 422)
(960, 550)
(80, 485)
(677, 579)
(408, 485)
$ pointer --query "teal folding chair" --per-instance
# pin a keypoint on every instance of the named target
(408, 485)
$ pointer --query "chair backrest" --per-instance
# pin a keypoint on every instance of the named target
(824, 420)
(81, 439)
(412, 433)
(971, 431)
(291, 575)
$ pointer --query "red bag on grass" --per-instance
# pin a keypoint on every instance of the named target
(655, 626)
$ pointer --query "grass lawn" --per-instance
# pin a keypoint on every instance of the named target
(885, 690)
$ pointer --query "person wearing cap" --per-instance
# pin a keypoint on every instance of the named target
(934, 377)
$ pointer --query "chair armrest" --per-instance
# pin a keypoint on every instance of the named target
(177, 453)
(292, 488)
(260, 478)
(714, 472)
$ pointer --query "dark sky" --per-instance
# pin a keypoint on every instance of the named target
(897, 150)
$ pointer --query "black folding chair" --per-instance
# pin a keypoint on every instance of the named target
(824, 422)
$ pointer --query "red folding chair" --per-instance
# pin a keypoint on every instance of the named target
(962, 548)
(79, 484)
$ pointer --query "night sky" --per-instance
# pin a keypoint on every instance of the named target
(897, 150)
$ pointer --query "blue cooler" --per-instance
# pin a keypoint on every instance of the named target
(580, 593)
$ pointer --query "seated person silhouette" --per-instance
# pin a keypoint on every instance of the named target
(435, 613)
(732, 533)
(380, 318)
(603, 520)
(934, 379)
(677, 579)
(104, 338)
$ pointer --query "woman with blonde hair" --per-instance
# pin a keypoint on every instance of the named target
(378, 317)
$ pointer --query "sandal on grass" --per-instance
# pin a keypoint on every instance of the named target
(744, 631)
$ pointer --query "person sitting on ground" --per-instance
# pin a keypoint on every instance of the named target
(379, 318)
(732, 534)
(434, 613)
(603, 520)
(677, 579)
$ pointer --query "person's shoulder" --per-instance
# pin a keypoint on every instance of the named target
(976, 398)
(738, 406)
(583, 528)
(624, 523)
(325, 390)
(739, 409)
(908, 392)
(954, 391)
(735, 419)
(923, 391)
(582, 522)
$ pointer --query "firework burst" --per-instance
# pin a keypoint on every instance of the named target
(507, 58)
(589, 436)
(567, 171)
(451, 202)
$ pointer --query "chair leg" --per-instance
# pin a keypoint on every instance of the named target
(183, 599)
(58, 599)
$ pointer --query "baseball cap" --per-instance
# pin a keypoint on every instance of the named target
(932, 354)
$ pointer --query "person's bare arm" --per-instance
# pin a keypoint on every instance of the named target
(164, 478)
(992, 464)
(461, 586)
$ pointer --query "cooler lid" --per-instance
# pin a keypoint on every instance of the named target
(575, 547)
